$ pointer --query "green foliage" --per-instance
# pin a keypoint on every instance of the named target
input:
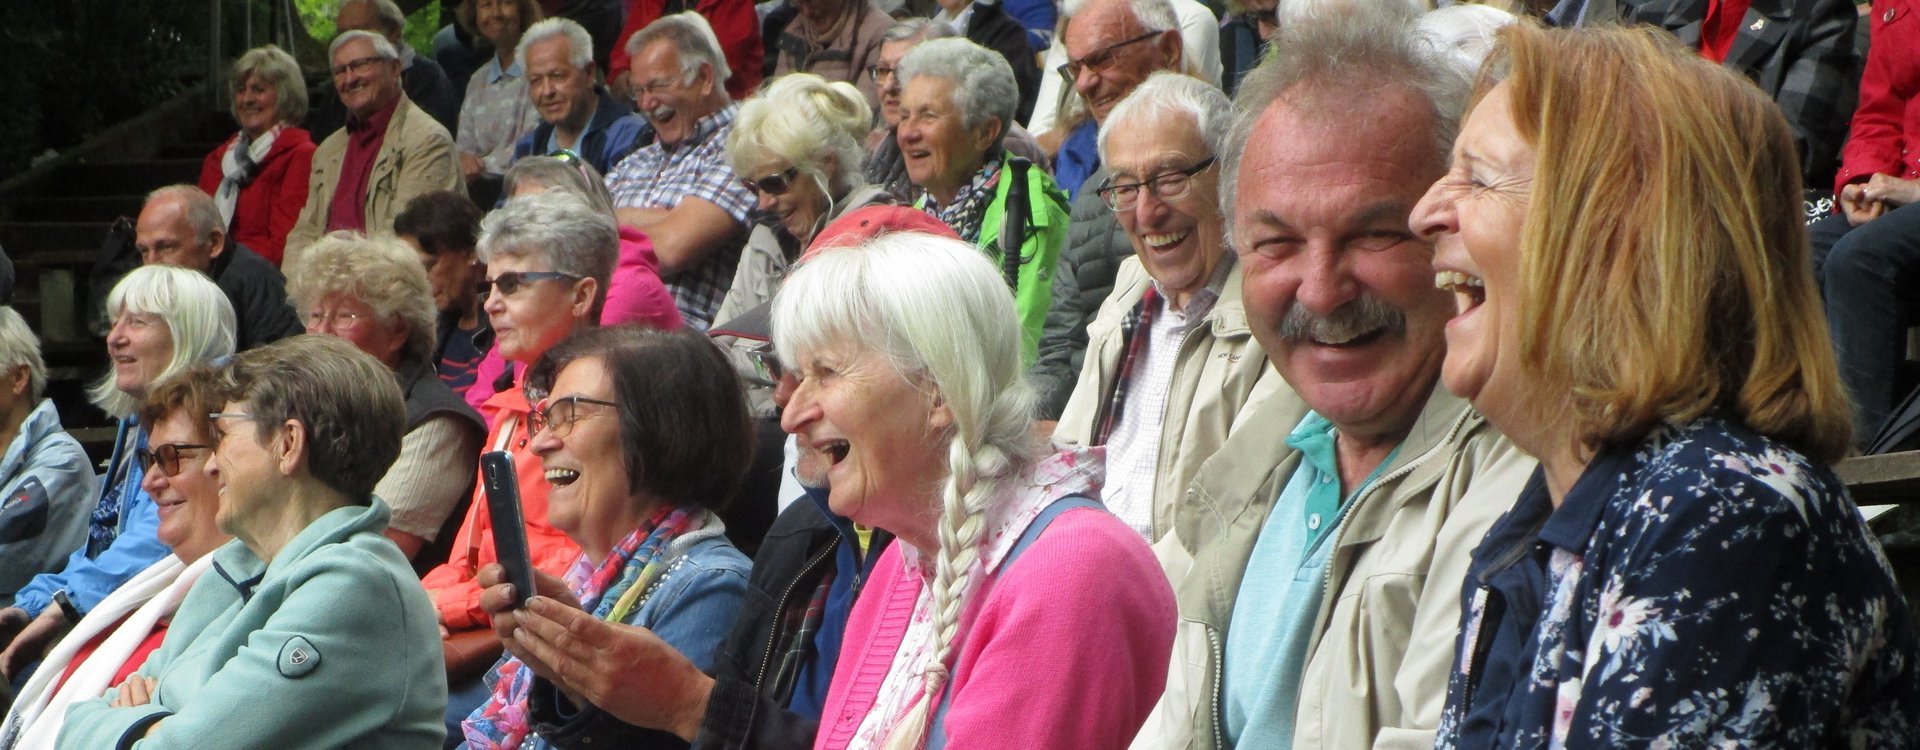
(422, 24)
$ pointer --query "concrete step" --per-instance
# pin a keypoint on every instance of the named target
(121, 178)
(81, 208)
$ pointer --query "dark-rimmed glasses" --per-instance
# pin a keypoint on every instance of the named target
(1167, 186)
(876, 71)
(560, 414)
(777, 183)
(168, 456)
(1099, 59)
(356, 65)
(511, 281)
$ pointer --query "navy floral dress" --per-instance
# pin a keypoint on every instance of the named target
(1710, 588)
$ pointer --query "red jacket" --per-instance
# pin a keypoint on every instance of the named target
(733, 21)
(1886, 127)
(269, 206)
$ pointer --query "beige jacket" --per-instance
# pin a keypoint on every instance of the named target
(416, 157)
(1221, 370)
(1377, 666)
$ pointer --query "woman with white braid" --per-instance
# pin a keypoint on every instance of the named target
(1015, 611)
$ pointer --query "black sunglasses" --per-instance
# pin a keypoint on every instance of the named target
(774, 184)
(168, 456)
(511, 281)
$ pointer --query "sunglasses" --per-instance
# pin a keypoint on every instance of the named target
(767, 369)
(560, 414)
(168, 456)
(511, 281)
(774, 184)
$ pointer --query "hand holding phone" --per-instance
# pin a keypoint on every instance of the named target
(509, 526)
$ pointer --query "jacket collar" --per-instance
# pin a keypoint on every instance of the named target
(43, 421)
(244, 570)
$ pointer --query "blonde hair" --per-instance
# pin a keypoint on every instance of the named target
(801, 119)
(1664, 268)
(381, 272)
(276, 68)
(939, 312)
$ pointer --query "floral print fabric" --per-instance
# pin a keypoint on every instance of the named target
(1709, 588)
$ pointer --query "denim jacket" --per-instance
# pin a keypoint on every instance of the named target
(692, 611)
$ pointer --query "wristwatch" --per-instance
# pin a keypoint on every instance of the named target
(65, 604)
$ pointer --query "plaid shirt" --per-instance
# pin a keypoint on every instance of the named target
(1800, 53)
(660, 176)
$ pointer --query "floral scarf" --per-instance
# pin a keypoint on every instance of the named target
(611, 592)
(969, 206)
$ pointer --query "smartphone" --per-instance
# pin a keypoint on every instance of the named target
(509, 527)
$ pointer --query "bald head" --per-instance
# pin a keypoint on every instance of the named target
(381, 17)
(180, 226)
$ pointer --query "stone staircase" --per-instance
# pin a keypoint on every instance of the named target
(54, 227)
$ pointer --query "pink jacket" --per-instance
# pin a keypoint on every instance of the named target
(1067, 648)
(634, 295)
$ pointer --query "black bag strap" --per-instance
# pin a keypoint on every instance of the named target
(1013, 226)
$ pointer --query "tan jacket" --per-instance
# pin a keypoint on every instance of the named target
(1220, 371)
(1377, 666)
(416, 157)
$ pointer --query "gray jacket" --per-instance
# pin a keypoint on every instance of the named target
(1082, 279)
(44, 462)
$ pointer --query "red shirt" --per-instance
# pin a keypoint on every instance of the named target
(1722, 24)
(134, 660)
(349, 207)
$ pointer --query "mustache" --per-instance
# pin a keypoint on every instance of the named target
(1364, 314)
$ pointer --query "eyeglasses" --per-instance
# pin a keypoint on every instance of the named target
(340, 319)
(357, 65)
(1099, 59)
(571, 157)
(655, 87)
(560, 414)
(168, 456)
(1168, 186)
(774, 184)
(876, 72)
(767, 369)
(511, 281)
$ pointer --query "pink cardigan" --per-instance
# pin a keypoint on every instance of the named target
(1067, 649)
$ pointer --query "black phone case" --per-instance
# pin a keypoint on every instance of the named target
(509, 527)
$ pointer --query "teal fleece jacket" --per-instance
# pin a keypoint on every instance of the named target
(332, 644)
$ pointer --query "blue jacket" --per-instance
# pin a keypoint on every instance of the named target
(613, 133)
(694, 607)
(332, 644)
(44, 464)
(136, 544)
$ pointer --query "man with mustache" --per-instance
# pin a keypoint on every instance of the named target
(680, 189)
(1330, 533)
(389, 152)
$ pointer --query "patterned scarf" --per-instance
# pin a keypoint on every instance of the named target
(611, 592)
(123, 479)
(969, 206)
(238, 168)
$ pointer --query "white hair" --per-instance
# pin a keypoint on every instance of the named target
(382, 48)
(557, 226)
(18, 346)
(1296, 11)
(983, 84)
(692, 37)
(579, 43)
(1465, 32)
(198, 316)
(1203, 105)
(1152, 15)
(939, 312)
